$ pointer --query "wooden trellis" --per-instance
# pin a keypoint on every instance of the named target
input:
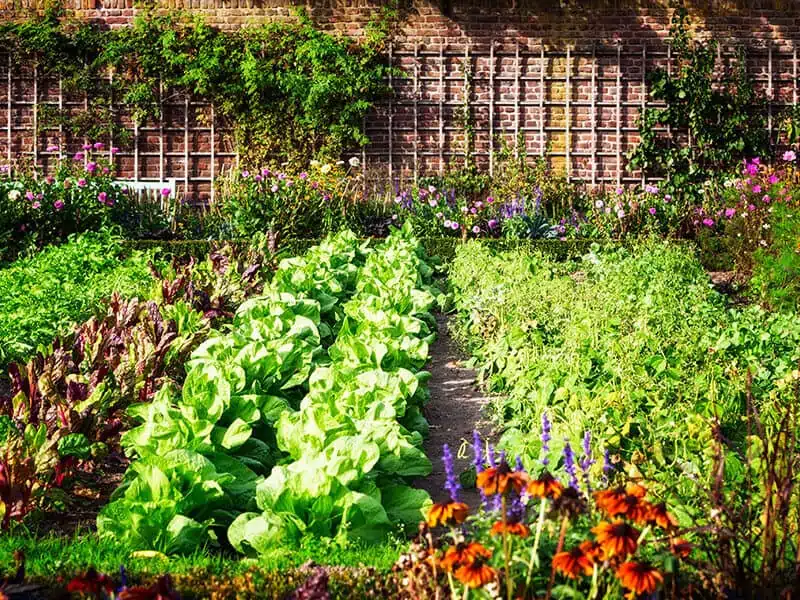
(575, 105)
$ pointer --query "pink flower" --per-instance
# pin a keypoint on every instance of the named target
(29, 195)
(52, 148)
(87, 146)
(729, 212)
(303, 175)
(454, 225)
(245, 174)
(265, 172)
(667, 197)
(78, 156)
(789, 156)
(81, 183)
(49, 180)
(99, 145)
(91, 167)
(114, 150)
(274, 188)
(773, 178)
(766, 199)
(476, 229)
(619, 191)
(708, 222)
(751, 207)
(652, 210)
(756, 189)
(106, 171)
(473, 210)
(36, 204)
(489, 200)
(58, 204)
(651, 189)
(166, 192)
(258, 178)
(492, 223)
(102, 197)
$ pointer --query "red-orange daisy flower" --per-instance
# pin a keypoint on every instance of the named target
(680, 548)
(518, 529)
(617, 538)
(574, 563)
(630, 504)
(464, 553)
(606, 500)
(659, 515)
(447, 513)
(593, 550)
(546, 486)
(500, 480)
(640, 578)
(476, 573)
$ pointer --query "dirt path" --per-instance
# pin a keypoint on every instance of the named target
(454, 412)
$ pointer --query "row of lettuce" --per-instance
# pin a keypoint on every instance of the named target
(302, 417)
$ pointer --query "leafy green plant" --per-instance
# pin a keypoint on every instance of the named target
(712, 122)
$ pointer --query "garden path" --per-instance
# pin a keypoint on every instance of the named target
(455, 410)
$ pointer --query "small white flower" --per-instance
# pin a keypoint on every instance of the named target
(315, 163)
(765, 225)
(340, 162)
(354, 162)
(14, 195)
(599, 204)
(325, 169)
(620, 213)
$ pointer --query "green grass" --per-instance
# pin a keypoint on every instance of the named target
(52, 556)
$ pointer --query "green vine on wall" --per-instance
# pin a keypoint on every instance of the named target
(709, 122)
(290, 90)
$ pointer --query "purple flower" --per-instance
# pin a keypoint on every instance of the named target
(258, 178)
(81, 182)
(545, 438)
(489, 200)
(166, 192)
(36, 204)
(619, 191)
(454, 225)
(667, 197)
(29, 195)
(477, 451)
(265, 172)
(773, 178)
(102, 197)
(114, 150)
(451, 484)
(52, 148)
(651, 189)
(490, 456)
(492, 223)
(789, 156)
(476, 229)
(587, 460)
(570, 466)
(91, 167)
(245, 174)
(756, 189)
(78, 156)
(303, 175)
(729, 212)
(708, 222)
(87, 146)
(652, 210)
(99, 145)
(58, 205)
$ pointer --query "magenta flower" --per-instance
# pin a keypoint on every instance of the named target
(49, 180)
(53, 148)
(258, 178)
(102, 197)
(619, 191)
(652, 210)
(274, 188)
(58, 205)
(78, 156)
(99, 145)
(454, 225)
(789, 156)
(667, 197)
(729, 213)
(265, 172)
(751, 207)
(489, 200)
(708, 222)
(245, 174)
(36, 204)
(91, 167)
(303, 175)
(773, 178)
(476, 229)
(166, 192)
(114, 150)
(766, 199)
(87, 146)
(492, 223)
(29, 195)
(756, 189)
(81, 183)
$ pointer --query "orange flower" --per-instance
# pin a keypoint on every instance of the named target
(447, 513)
(680, 548)
(545, 487)
(640, 578)
(606, 500)
(593, 550)
(661, 517)
(617, 538)
(476, 574)
(636, 490)
(500, 479)
(464, 553)
(574, 563)
(630, 503)
(519, 529)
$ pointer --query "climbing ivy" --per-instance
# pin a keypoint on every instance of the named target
(709, 122)
(290, 90)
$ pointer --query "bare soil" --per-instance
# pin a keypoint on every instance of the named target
(455, 410)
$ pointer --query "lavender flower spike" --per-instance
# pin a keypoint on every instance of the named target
(569, 466)
(587, 460)
(545, 438)
(451, 484)
(477, 449)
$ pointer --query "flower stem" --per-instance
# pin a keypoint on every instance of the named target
(561, 536)
(507, 551)
(535, 550)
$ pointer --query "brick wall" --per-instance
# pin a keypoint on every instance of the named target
(565, 79)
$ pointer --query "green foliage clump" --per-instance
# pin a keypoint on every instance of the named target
(776, 268)
(43, 295)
